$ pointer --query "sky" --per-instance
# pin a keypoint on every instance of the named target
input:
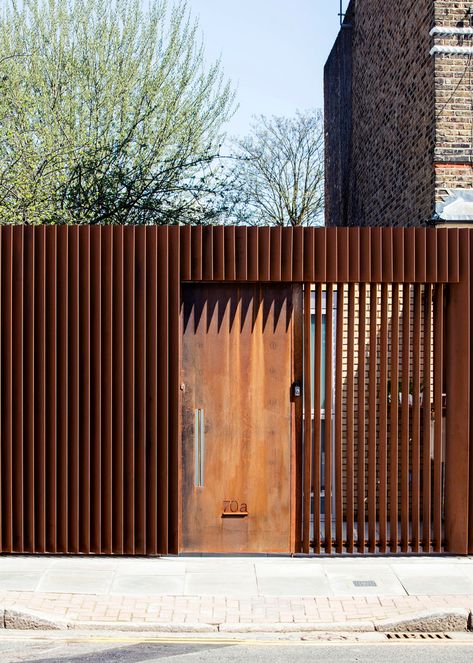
(273, 51)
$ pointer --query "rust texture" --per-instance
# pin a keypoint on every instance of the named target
(90, 397)
(238, 450)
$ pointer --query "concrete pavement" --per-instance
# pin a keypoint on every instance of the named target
(225, 593)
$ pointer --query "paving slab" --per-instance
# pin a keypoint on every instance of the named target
(150, 568)
(434, 579)
(89, 581)
(296, 569)
(22, 581)
(280, 585)
(220, 584)
(219, 565)
(148, 585)
(25, 562)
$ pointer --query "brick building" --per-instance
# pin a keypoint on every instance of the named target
(399, 114)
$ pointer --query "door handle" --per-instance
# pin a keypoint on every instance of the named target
(199, 447)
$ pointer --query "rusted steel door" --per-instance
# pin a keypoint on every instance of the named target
(241, 380)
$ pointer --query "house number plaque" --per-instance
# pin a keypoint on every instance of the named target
(234, 508)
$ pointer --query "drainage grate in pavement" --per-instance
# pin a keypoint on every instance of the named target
(364, 583)
(418, 636)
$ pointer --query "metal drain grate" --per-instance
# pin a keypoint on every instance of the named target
(364, 583)
(418, 636)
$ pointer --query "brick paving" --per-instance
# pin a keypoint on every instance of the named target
(225, 610)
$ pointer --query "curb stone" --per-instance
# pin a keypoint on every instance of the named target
(29, 620)
(161, 627)
(429, 621)
(299, 627)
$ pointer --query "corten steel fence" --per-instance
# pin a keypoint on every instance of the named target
(90, 398)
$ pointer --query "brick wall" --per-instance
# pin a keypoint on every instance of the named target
(454, 102)
(392, 179)
(338, 127)
(399, 133)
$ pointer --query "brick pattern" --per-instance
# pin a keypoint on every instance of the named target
(224, 610)
(453, 102)
(411, 114)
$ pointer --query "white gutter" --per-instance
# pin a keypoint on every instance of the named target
(452, 50)
(450, 31)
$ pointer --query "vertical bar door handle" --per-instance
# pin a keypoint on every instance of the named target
(199, 441)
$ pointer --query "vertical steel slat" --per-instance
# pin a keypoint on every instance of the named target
(361, 420)
(431, 256)
(416, 420)
(140, 389)
(307, 421)
(372, 418)
(264, 254)
(39, 388)
(318, 249)
(470, 501)
(7, 368)
(354, 254)
(208, 250)
(383, 420)
(186, 268)
(275, 253)
(420, 239)
(328, 420)
(442, 254)
(316, 470)
(73, 386)
(62, 388)
(438, 410)
(398, 255)
(406, 324)
(241, 253)
(287, 248)
(252, 254)
(376, 255)
(129, 459)
(409, 258)
(96, 390)
(151, 392)
(350, 473)
(229, 253)
(309, 259)
(196, 253)
(51, 389)
(219, 253)
(453, 243)
(387, 254)
(298, 254)
(365, 255)
(84, 383)
(2, 359)
(331, 248)
(343, 268)
(17, 389)
(297, 431)
(457, 350)
(426, 419)
(174, 390)
(107, 340)
(118, 390)
(394, 427)
(163, 387)
(29, 395)
(339, 417)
